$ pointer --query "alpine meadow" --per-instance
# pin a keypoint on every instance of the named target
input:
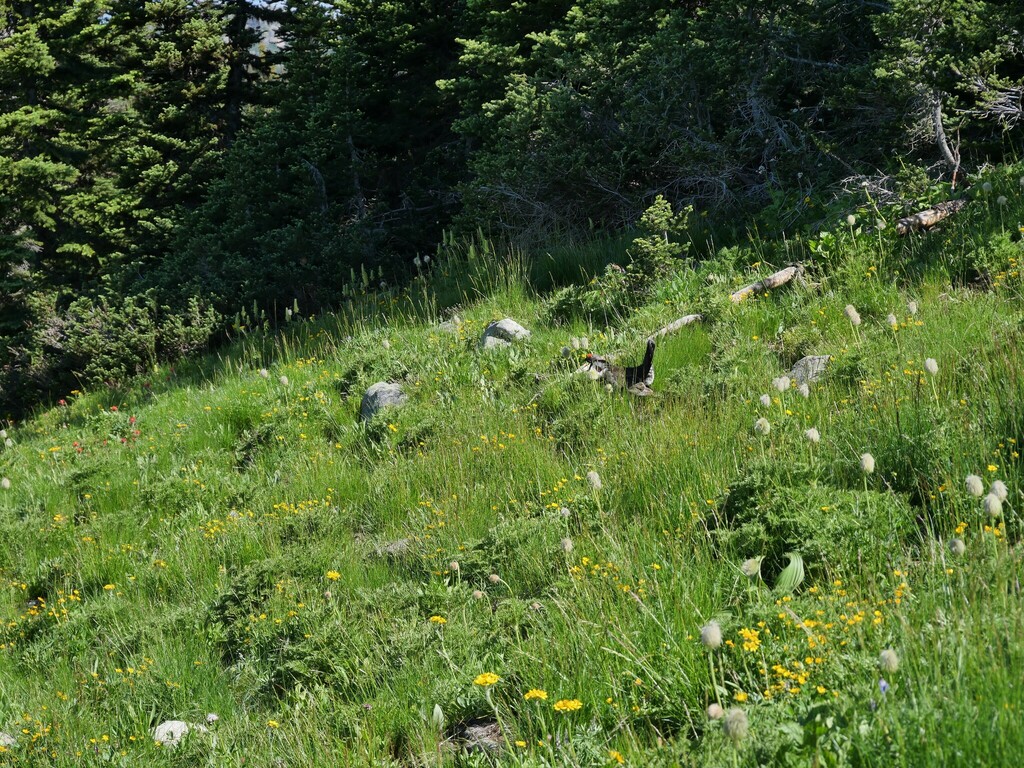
(475, 383)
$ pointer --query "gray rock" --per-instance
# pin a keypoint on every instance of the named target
(171, 732)
(808, 369)
(383, 394)
(502, 333)
(6, 740)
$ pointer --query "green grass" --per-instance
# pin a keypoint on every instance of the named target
(211, 540)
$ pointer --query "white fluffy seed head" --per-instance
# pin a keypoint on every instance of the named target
(766, 400)
(986, 187)
(715, 712)
(867, 463)
(781, 383)
(804, 390)
(453, 566)
(264, 373)
(993, 506)
(851, 220)
(957, 547)
(567, 545)
(888, 661)
(594, 480)
(974, 485)
(751, 567)
(5, 483)
(852, 314)
(891, 320)
(912, 307)
(813, 435)
(762, 426)
(735, 725)
(1001, 200)
(880, 224)
(478, 595)
(711, 635)
(284, 381)
(494, 578)
(999, 488)
(931, 365)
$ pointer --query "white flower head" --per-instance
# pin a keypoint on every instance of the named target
(762, 427)
(781, 383)
(813, 435)
(852, 314)
(594, 480)
(931, 366)
(5, 483)
(804, 390)
(715, 712)
(711, 635)
(264, 373)
(851, 220)
(766, 400)
(284, 381)
(567, 545)
(3, 434)
(975, 486)
(999, 488)
(478, 594)
(867, 463)
(494, 578)
(888, 661)
(992, 505)
(912, 307)
(891, 320)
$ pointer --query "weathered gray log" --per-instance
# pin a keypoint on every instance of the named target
(769, 283)
(928, 218)
(675, 325)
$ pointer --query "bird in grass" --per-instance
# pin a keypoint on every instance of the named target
(636, 379)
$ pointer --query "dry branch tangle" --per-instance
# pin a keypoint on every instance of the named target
(771, 282)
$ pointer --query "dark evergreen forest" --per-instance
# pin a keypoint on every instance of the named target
(167, 165)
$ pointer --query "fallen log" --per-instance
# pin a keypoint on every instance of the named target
(675, 325)
(769, 283)
(927, 219)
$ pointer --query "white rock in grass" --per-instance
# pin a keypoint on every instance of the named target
(6, 740)
(383, 394)
(502, 333)
(171, 732)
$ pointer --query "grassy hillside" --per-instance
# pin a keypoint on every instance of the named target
(518, 549)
